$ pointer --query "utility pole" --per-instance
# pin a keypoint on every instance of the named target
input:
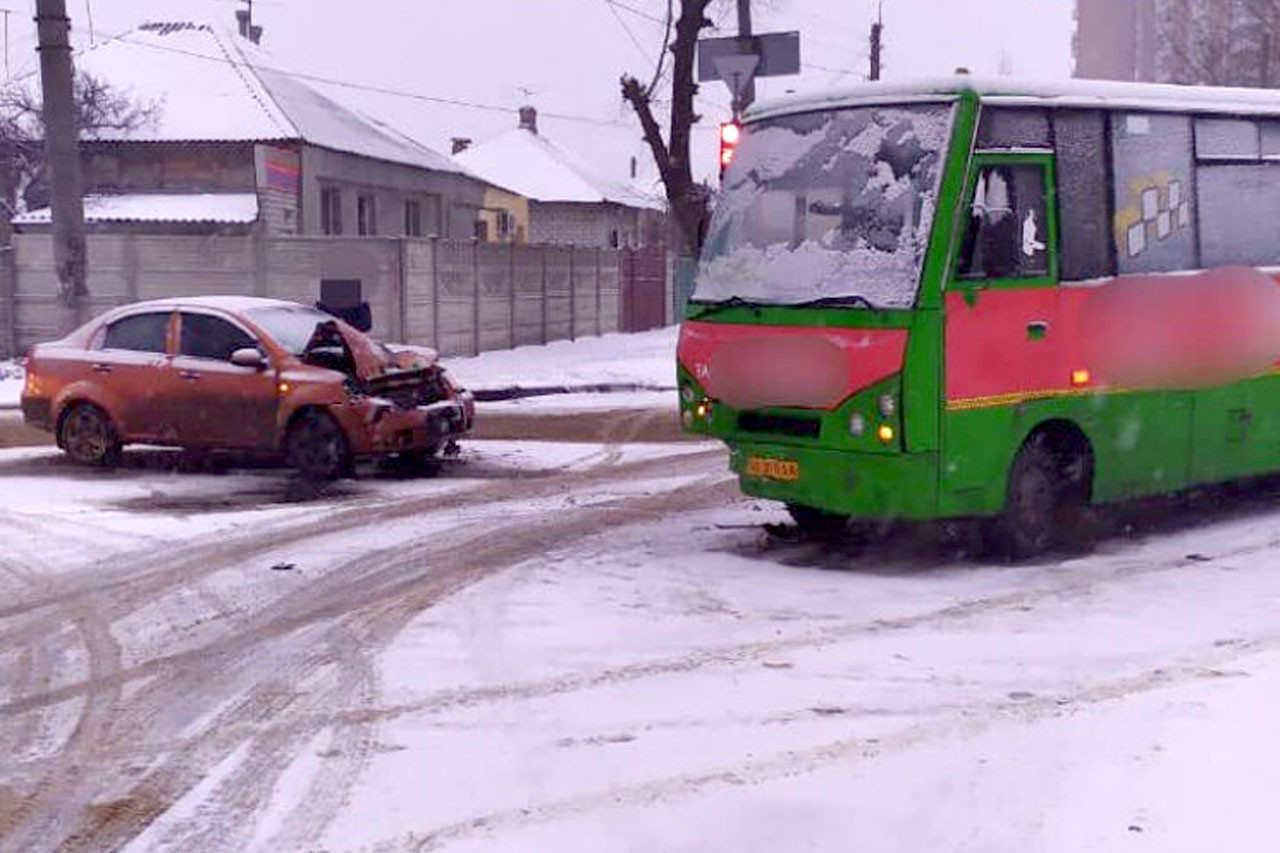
(6, 13)
(877, 38)
(62, 153)
(748, 95)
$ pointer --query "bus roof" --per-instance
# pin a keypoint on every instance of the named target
(1108, 94)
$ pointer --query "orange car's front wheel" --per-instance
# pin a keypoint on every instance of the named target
(316, 447)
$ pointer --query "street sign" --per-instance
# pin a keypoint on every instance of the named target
(737, 70)
(778, 53)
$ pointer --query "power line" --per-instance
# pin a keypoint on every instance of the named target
(380, 90)
(637, 12)
(609, 4)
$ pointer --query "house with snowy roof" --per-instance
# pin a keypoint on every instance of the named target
(568, 202)
(236, 145)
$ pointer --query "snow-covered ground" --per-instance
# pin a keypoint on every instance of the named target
(595, 647)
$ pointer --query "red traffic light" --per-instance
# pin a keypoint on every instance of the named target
(730, 134)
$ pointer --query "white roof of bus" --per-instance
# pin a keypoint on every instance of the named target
(1160, 97)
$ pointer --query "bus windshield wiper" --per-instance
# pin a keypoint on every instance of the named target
(841, 302)
(710, 308)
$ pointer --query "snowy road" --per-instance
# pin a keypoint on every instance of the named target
(593, 647)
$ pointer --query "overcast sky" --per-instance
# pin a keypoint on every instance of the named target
(565, 56)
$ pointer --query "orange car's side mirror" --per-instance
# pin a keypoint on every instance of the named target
(249, 357)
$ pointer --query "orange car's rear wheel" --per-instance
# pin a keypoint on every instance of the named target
(317, 448)
(88, 436)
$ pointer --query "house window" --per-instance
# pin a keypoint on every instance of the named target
(331, 210)
(366, 215)
(502, 224)
(413, 219)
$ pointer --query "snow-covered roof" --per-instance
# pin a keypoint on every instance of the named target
(213, 86)
(1159, 97)
(528, 163)
(159, 207)
(225, 303)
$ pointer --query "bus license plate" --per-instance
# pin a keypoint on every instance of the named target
(786, 470)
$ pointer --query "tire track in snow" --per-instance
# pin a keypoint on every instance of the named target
(968, 721)
(23, 823)
(731, 655)
(388, 588)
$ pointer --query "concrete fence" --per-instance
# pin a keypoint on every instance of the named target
(460, 297)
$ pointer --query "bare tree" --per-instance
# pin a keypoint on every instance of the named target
(1218, 42)
(686, 198)
(101, 110)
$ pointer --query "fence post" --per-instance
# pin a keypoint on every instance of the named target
(475, 296)
(542, 250)
(435, 294)
(131, 268)
(573, 296)
(8, 257)
(511, 281)
(260, 274)
(402, 261)
(599, 267)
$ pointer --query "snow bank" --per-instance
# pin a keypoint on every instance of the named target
(638, 358)
(11, 378)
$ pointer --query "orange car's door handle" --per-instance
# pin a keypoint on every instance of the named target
(99, 367)
(189, 374)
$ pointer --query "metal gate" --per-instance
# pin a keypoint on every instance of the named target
(644, 288)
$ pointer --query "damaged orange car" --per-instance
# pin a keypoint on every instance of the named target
(242, 373)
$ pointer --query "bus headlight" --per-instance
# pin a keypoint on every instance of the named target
(703, 410)
(686, 394)
(887, 404)
(857, 425)
(885, 433)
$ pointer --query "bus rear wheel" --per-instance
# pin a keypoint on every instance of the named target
(817, 523)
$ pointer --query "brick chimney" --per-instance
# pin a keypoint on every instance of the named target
(460, 144)
(529, 120)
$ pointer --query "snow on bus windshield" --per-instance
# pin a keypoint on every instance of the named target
(827, 205)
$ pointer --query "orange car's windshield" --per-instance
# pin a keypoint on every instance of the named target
(291, 327)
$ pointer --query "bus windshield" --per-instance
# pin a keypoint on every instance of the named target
(833, 205)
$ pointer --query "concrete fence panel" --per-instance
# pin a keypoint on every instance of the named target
(493, 310)
(559, 292)
(419, 292)
(456, 280)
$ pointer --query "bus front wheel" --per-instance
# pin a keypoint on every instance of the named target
(1037, 494)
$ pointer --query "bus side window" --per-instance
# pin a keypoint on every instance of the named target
(1007, 233)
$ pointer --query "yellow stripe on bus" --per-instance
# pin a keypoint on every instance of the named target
(967, 403)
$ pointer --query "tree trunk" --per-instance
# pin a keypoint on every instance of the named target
(687, 200)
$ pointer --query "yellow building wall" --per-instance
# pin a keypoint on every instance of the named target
(497, 200)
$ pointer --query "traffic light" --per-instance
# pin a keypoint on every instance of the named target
(730, 133)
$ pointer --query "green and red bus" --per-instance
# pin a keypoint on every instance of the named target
(986, 299)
